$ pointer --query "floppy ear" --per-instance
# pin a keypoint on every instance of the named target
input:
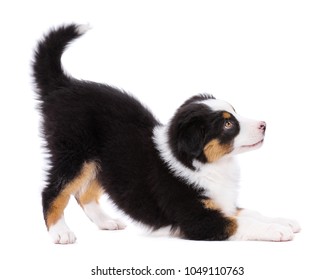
(187, 134)
(191, 138)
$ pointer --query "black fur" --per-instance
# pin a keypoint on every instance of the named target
(85, 121)
(193, 126)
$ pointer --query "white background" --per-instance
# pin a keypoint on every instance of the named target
(272, 60)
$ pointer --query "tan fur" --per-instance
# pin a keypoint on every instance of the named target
(85, 177)
(210, 204)
(226, 115)
(92, 193)
(232, 226)
(214, 150)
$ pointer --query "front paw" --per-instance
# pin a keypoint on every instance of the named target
(276, 232)
(293, 224)
(251, 229)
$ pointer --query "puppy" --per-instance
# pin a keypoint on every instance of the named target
(182, 174)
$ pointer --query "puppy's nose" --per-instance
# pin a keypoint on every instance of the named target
(262, 126)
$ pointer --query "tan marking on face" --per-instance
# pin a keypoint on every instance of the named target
(214, 150)
(85, 177)
(226, 115)
(92, 193)
(210, 204)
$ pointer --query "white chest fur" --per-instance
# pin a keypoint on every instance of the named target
(221, 183)
(219, 179)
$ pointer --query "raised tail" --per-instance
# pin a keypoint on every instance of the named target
(47, 69)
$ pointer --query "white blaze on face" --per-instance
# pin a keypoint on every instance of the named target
(251, 132)
(219, 105)
(251, 135)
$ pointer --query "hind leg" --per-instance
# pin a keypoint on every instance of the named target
(56, 197)
(89, 201)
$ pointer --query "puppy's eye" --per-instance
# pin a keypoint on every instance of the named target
(228, 125)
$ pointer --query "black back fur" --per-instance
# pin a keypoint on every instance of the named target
(85, 121)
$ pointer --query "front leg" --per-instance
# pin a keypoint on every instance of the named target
(253, 226)
(207, 224)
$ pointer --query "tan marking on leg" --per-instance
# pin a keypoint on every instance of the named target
(92, 193)
(226, 115)
(214, 150)
(210, 204)
(56, 210)
(232, 226)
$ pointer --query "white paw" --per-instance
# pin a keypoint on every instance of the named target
(294, 225)
(276, 232)
(61, 234)
(252, 229)
(95, 213)
(110, 224)
(66, 237)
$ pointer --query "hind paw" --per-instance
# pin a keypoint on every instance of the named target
(111, 224)
(95, 213)
(61, 234)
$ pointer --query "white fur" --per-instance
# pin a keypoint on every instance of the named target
(218, 105)
(253, 226)
(253, 229)
(96, 214)
(292, 224)
(249, 133)
(83, 28)
(60, 233)
(220, 179)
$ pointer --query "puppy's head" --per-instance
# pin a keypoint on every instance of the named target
(206, 130)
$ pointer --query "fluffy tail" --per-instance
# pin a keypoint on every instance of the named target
(47, 70)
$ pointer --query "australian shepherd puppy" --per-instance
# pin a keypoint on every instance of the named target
(182, 174)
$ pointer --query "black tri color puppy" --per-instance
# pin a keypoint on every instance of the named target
(181, 175)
